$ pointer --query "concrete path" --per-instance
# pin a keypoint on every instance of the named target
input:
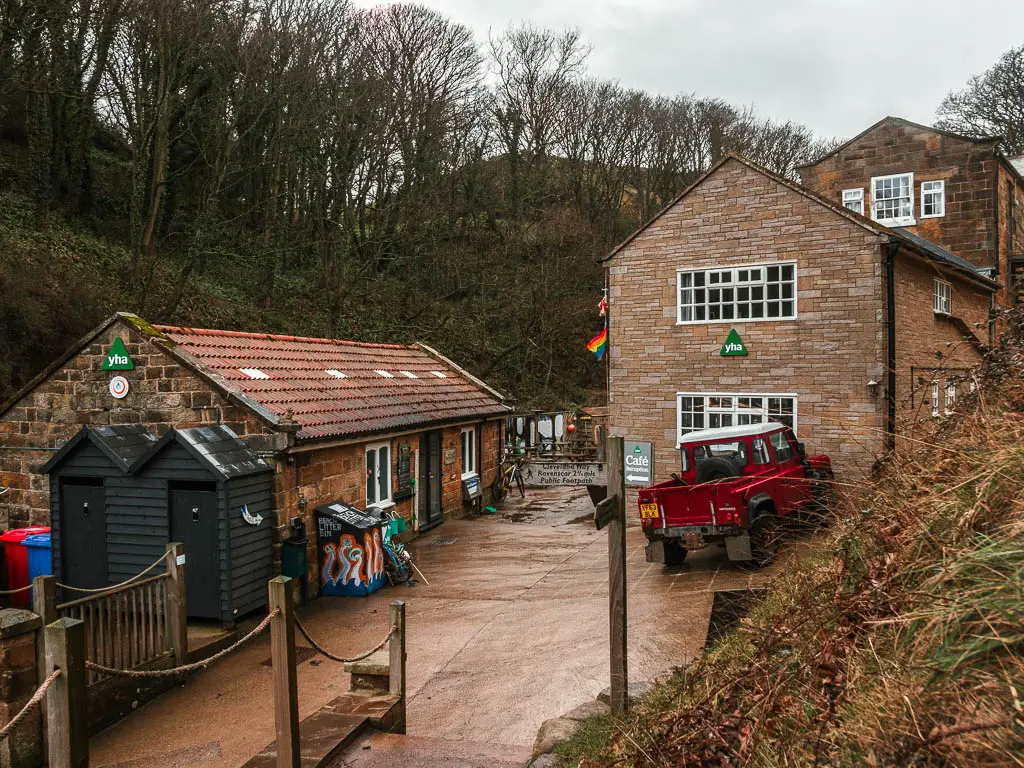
(511, 631)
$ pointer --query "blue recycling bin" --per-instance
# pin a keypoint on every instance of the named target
(40, 559)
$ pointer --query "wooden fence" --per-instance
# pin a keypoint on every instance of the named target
(133, 625)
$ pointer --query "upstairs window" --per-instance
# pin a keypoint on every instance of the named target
(766, 292)
(943, 297)
(892, 199)
(854, 200)
(933, 199)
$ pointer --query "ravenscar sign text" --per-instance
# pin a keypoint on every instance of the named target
(564, 473)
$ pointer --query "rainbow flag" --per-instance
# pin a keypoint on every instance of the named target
(599, 344)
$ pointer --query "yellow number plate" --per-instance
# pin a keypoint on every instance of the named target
(648, 510)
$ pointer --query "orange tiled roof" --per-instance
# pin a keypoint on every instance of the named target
(337, 389)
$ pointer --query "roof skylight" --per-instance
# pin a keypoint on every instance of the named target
(409, 374)
(335, 373)
(385, 374)
(254, 373)
(439, 374)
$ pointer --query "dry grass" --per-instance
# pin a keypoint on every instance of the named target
(899, 641)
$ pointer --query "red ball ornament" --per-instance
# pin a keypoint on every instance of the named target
(571, 427)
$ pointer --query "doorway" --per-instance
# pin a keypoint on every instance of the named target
(83, 532)
(430, 480)
(194, 522)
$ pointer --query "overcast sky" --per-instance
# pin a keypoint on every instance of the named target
(835, 65)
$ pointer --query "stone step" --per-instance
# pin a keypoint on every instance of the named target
(334, 726)
(375, 749)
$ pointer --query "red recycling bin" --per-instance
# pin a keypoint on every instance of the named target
(17, 560)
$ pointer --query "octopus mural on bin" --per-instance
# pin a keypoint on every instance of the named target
(351, 551)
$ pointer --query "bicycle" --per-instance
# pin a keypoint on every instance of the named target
(509, 471)
(397, 559)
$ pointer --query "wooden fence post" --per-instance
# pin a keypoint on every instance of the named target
(177, 625)
(396, 662)
(67, 723)
(286, 689)
(617, 576)
(44, 604)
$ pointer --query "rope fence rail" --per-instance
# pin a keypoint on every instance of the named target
(174, 671)
(124, 583)
(320, 649)
(37, 697)
(26, 588)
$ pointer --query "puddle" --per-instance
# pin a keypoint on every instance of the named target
(440, 541)
(588, 518)
(517, 517)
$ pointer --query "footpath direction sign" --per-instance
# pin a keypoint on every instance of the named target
(639, 463)
(564, 473)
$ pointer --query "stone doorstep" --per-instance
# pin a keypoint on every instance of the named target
(325, 733)
(379, 664)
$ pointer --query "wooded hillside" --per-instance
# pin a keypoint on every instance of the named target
(303, 167)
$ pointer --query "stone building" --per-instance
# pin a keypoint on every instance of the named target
(752, 298)
(960, 193)
(376, 425)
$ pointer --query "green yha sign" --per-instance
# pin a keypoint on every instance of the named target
(116, 358)
(734, 346)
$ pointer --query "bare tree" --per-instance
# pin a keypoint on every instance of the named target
(992, 104)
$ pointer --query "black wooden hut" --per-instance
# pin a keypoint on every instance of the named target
(201, 486)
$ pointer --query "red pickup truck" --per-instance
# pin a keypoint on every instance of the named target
(736, 485)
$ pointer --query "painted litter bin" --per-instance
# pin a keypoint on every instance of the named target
(349, 542)
(16, 557)
(40, 560)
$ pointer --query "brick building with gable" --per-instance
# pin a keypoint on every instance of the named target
(852, 327)
(377, 425)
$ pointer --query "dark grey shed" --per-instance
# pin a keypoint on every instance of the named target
(201, 486)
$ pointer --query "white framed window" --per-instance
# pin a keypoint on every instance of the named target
(935, 399)
(949, 402)
(854, 200)
(469, 452)
(756, 292)
(378, 475)
(892, 199)
(933, 199)
(700, 410)
(942, 297)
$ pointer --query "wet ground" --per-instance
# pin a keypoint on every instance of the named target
(511, 630)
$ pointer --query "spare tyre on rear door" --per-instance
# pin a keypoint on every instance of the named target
(717, 468)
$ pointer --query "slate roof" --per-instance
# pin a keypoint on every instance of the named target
(124, 445)
(336, 389)
(938, 251)
(219, 448)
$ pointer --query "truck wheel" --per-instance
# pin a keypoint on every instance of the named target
(716, 468)
(675, 553)
(764, 539)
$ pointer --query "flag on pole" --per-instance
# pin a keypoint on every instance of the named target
(599, 344)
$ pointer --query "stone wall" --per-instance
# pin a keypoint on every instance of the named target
(826, 356)
(929, 346)
(969, 228)
(18, 681)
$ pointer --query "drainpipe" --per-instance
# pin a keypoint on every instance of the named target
(892, 248)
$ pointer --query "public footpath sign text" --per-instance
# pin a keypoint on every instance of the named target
(564, 473)
(638, 459)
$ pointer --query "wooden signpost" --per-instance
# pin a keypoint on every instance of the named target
(611, 512)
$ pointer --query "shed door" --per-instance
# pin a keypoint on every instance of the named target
(194, 522)
(83, 535)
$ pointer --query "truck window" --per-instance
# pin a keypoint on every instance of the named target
(684, 454)
(737, 451)
(783, 450)
(759, 449)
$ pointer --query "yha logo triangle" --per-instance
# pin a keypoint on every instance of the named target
(733, 346)
(116, 358)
